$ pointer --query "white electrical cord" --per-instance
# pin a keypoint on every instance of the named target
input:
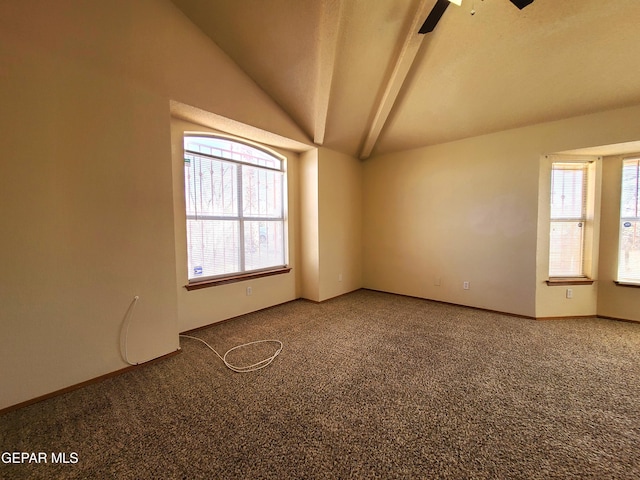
(127, 320)
(248, 368)
(124, 337)
(124, 333)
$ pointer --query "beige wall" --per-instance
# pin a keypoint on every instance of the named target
(309, 223)
(90, 218)
(340, 223)
(86, 183)
(468, 211)
(197, 308)
(331, 224)
(554, 299)
(86, 209)
(439, 216)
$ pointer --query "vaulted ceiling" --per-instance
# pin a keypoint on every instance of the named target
(357, 77)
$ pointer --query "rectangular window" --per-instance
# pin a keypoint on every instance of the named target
(234, 195)
(568, 218)
(629, 246)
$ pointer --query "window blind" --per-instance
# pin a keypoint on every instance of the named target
(234, 199)
(568, 217)
(629, 246)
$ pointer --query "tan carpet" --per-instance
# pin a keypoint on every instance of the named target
(368, 385)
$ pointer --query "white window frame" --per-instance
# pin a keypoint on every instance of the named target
(240, 163)
(624, 276)
(580, 218)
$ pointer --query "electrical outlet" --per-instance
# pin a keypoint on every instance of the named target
(437, 282)
(569, 293)
(465, 285)
(249, 291)
(339, 277)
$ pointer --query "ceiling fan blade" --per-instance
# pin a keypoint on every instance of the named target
(434, 17)
(521, 3)
(441, 5)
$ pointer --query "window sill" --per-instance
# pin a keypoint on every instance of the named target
(557, 281)
(214, 282)
(627, 284)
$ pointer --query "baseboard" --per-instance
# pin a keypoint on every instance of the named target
(566, 317)
(542, 319)
(218, 322)
(224, 320)
(628, 320)
(318, 302)
(77, 386)
(517, 315)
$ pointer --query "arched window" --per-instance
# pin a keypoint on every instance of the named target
(234, 195)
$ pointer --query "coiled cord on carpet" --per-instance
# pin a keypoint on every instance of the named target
(243, 369)
(124, 338)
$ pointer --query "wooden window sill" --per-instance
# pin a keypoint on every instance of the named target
(557, 281)
(627, 284)
(213, 282)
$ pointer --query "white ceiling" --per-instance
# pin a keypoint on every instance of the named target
(357, 78)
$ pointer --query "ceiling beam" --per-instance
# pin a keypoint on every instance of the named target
(328, 49)
(397, 77)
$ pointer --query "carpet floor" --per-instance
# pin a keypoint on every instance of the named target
(368, 385)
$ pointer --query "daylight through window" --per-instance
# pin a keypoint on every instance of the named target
(234, 195)
(568, 217)
(629, 247)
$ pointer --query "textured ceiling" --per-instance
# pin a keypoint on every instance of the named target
(357, 78)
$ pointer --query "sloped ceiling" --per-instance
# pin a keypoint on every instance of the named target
(357, 77)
